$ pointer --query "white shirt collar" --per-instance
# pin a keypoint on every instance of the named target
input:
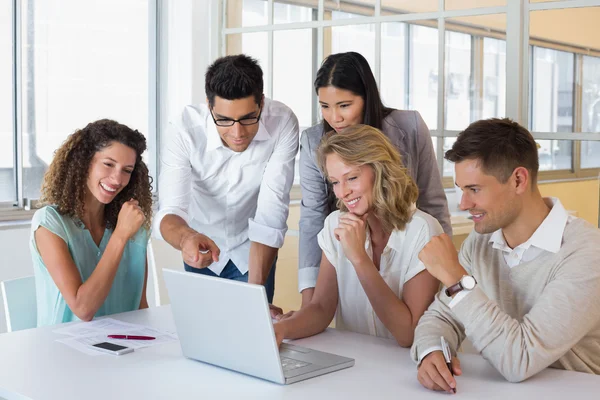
(213, 139)
(548, 236)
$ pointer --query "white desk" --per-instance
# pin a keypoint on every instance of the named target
(33, 364)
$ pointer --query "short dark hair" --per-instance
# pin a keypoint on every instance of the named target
(501, 145)
(351, 71)
(234, 77)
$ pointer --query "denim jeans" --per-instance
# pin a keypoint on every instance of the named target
(231, 272)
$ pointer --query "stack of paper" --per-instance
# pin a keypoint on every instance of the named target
(85, 334)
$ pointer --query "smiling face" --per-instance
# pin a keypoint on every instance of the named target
(352, 184)
(493, 205)
(237, 137)
(110, 171)
(341, 108)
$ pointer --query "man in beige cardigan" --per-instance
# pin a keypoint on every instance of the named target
(525, 287)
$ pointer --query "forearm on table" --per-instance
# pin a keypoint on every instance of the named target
(307, 321)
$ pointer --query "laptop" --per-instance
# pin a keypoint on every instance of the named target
(228, 324)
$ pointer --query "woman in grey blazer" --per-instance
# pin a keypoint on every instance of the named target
(348, 95)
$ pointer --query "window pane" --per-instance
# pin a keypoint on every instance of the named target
(458, 80)
(88, 61)
(8, 190)
(552, 86)
(287, 13)
(475, 69)
(348, 9)
(254, 44)
(394, 71)
(448, 166)
(590, 151)
(423, 71)
(242, 13)
(292, 72)
(494, 78)
(358, 38)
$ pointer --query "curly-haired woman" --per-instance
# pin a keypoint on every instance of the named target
(370, 277)
(88, 242)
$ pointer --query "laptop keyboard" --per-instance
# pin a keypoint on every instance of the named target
(289, 364)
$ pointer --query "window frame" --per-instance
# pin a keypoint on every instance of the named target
(23, 208)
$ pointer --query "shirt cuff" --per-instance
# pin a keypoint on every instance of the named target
(163, 213)
(266, 235)
(426, 352)
(307, 278)
(458, 297)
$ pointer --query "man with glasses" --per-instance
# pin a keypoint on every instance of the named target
(226, 173)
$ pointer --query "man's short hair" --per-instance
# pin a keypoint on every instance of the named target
(501, 145)
(234, 77)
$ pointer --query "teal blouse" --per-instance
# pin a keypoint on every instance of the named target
(126, 291)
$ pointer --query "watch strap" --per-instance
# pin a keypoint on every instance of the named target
(452, 290)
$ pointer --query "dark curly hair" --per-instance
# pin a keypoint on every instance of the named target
(65, 182)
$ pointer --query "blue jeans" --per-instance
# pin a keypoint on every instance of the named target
(231, 272)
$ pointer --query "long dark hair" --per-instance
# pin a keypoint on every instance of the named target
(351, 71)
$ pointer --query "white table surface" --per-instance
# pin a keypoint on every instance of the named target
(33, 364)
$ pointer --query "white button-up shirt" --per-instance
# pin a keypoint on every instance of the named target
(399, 263)
(233, 198)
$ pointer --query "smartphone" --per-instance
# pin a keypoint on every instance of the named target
(112, 348)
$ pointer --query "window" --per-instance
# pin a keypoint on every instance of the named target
(423, 72)
(404, 53)
(87, 62)
(394, 74)
(459, 107)
(552, 105)
(493, 87)
(358, 38)
(8, 189)
(292, 79)
(564, 50)
(590, 151)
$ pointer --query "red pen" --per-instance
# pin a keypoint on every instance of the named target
(131, 337)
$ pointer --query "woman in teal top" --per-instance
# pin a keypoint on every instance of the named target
(88, 243)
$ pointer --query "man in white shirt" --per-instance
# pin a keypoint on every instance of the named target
(524, 287)
(226, 174)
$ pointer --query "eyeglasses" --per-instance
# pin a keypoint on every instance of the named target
(242, 121)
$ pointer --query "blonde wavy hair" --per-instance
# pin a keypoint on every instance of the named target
(65, 181)
(394, 191)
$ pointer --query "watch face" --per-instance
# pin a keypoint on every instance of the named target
(468, 282)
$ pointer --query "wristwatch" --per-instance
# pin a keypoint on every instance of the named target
(467, 282)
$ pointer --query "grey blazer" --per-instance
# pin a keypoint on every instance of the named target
(409, 133)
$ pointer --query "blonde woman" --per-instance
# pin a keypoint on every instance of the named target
(370, 279)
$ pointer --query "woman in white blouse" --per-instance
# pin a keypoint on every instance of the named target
(371, 278)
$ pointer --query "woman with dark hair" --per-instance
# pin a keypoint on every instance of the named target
(88, 242)
(348, 96)
(370, 279)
